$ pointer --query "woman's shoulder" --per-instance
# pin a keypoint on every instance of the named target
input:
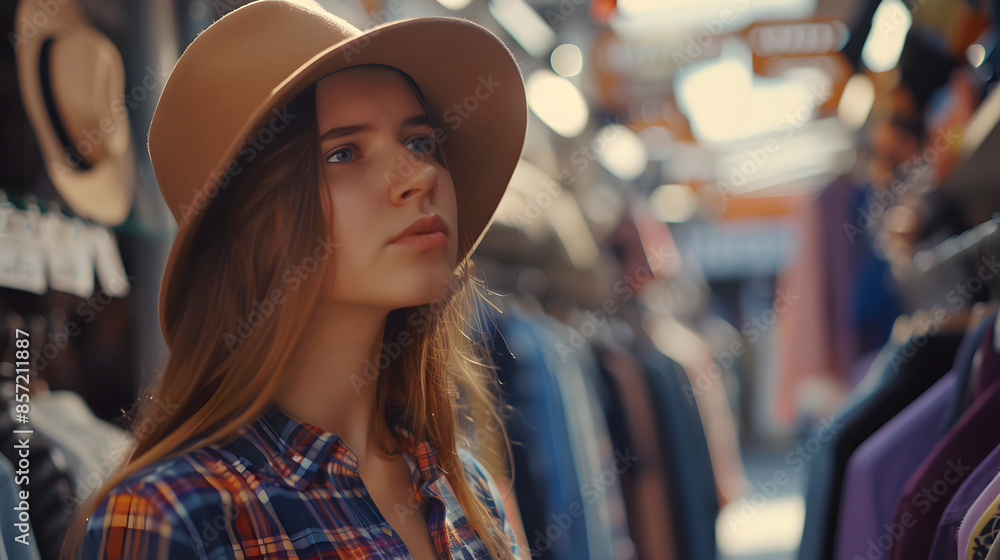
(486, 489)
(163, 507)
(479, 478)
(483, 483)
(171, 476)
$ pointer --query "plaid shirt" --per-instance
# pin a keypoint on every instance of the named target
(283, 490)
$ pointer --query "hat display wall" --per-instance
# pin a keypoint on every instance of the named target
(72, 83)
(239, 72)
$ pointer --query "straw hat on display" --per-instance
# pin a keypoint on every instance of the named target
(234, 77)
(72, 83)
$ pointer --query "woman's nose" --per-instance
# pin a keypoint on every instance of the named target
(412, 178)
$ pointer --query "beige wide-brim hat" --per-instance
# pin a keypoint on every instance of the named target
(72, 83)
(229, 81)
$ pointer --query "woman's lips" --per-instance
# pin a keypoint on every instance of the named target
(425, 240)
(425, 232)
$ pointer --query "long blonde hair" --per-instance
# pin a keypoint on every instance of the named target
(443, 381)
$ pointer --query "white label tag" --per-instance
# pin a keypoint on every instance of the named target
(70, 255)
(110, 268)
(22, 265)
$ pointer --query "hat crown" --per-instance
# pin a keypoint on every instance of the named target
(87, 94)
(225, 75)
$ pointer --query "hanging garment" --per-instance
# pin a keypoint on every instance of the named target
(939, 476)
(962, 398)
(646, 482)
(83, 459)
(68, 409)
(12, 549)
(910, 369)
(878, 469)
(861, 367)
(93, 446)
(546, 480)
(972, 516)
(604, 506)
(818, 337)
(51, 492)
(693, 352)
(946, 539)
(692, 482)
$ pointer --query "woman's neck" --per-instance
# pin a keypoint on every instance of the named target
(333, 375)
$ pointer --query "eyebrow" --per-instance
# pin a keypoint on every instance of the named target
(415, 120)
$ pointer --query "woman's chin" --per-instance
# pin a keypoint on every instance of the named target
(432, 294)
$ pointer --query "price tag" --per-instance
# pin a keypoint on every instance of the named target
(70, 254)
(110, 268)
(22, 264)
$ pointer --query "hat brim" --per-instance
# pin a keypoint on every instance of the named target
(454, 61)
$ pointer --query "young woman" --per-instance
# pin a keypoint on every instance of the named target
(325, 396)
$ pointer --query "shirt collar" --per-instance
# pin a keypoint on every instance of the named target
(425, 463)
(299, 451)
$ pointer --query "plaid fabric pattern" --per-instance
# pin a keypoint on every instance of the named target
(283, 490)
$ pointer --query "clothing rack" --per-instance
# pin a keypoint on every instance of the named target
(981, 239)
(980, 243)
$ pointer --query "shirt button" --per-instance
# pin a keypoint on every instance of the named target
(387, 530)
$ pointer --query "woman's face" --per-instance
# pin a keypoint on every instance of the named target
(379, 171)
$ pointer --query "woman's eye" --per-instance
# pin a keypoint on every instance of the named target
(425, 144)
(342, 155)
